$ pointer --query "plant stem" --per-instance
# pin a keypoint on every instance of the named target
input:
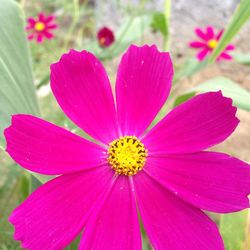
(166, 41)
(72, 26)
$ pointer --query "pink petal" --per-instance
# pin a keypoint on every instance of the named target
(27, 28)
(201, 122)
(202, 54)
(219, 34)
(45, 148)
(50, 18)
(31, 36)
(31, 21)
(196, 44)
(201, 34)
(115, 225)
(40, 38)
(211, 181)
(142, 87)
(171, 223)
(42, 17)
(56, 213)
(210, 32)
(230, 47)
(225, 56)
(82, 89)
(52, 26)
(48, 35)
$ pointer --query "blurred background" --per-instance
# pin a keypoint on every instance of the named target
(132, 22)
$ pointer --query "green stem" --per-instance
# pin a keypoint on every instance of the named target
(43, 81)
(166, 41)
(34, 183)
(72, 26)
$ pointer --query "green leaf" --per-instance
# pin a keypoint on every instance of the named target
(159, 23)
(190, 67)
(132, 30)
(232, 229)
(241, 58)
(24, 186)
(239, 18)
(182, 98)
(17, 92)
(240, 96)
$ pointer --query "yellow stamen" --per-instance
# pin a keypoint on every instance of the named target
(212, 43)
(127, 155)
(39, 26)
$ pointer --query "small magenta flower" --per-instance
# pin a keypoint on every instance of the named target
(163, 173)
(105, 37)
(207, 43)
(41, 27)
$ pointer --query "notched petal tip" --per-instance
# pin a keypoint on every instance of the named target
(148, 47)
(68, 56)
(228, 101)
(8, 131)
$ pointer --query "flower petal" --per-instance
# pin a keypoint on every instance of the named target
(171, 223)
(47, 34)
(230, 47)
(52, 26)
(31, 21)
(210, 32)
(202, 54)
(211, 181)
(115, 225)
(42, 17)
(50, 18)
(225, 56)
(40, 38)
(31, 36)
(45, 148)
(201, 34)
(196, 44)
(201, 122)
(56, 212)
(219, 34)
(142, 87)
(82, 89)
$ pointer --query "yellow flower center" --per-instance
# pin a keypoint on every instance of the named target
(212, 43)
(127, 155)
(39, 26)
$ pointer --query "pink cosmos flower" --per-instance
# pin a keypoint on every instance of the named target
(41, 27)
(164, 173)
(208, 40)
(105, 37)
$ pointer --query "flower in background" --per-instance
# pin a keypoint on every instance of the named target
(164, 173)
(105, 37)
(207, 43)
(41, 27)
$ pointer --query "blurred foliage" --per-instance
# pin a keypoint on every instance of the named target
(239, 18)
(241, 58)
(230, 89)
(17, 92)
(233, 230)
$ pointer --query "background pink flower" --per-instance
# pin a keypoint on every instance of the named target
(176, 181)
(207, 42)
(105, 37)
(41, 27)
